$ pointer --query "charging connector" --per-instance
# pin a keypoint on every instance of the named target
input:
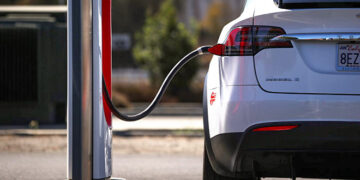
(200, 51)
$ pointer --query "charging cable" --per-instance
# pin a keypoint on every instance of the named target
(200, 51)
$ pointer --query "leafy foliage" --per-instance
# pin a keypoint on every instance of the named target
(161, 43)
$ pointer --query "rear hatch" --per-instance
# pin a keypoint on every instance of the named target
(325, 57)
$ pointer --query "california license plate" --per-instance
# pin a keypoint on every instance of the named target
(348, 57)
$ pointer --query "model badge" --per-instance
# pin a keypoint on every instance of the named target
(283, 79)
(212, 98)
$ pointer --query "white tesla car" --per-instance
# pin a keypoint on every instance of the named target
(282, 96)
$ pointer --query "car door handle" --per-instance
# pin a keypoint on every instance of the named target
(318, 37)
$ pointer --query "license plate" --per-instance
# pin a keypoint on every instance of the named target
(348, 57)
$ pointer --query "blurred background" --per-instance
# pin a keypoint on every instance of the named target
(149, 37)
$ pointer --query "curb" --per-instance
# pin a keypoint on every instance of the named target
(119, 133)
(33, 132)
(160, 133)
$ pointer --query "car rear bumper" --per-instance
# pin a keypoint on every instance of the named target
(312, 150)
(240, 107)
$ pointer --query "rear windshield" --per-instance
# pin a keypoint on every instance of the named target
(296, 4)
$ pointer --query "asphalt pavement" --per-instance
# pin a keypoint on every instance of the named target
(52, 166)
(158, 147)
(134, 158)
(159, 167)
(32, 165)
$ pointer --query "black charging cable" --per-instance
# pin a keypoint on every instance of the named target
(160, 93)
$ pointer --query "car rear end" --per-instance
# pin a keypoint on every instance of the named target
(288, 91)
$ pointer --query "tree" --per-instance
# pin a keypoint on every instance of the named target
(218, 14)
(161, 43)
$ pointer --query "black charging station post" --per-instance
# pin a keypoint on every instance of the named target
(79, 112)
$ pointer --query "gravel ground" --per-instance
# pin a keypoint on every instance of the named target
(121, 145)
(26, 144)
(158, 145)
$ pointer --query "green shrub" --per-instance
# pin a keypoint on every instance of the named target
(161, 43)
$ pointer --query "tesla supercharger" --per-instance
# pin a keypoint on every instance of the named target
(88, 117)
(88, 113)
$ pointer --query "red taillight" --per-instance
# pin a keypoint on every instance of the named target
(239, 42)
(275, 128)
(249, 40)
(263, 36)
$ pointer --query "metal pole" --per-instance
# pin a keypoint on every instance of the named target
(79, 112)
(102, 133)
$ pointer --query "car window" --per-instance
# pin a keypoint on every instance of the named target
(319, 1)
(296, 4)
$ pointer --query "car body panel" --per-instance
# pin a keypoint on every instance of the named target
(310, 66)
(238, 70)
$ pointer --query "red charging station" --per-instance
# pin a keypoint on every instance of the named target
(88, 116)
(89, 105)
